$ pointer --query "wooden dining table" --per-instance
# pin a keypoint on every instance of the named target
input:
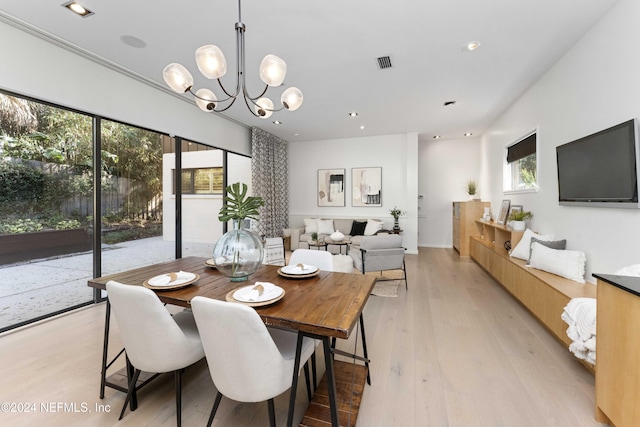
(325, 306)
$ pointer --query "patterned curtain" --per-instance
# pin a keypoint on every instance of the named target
(270, 181)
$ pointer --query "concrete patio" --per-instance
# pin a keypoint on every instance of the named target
(39, 287)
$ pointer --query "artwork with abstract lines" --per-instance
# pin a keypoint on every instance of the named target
(366, 186)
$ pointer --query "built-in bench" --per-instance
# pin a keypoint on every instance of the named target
(544, 294)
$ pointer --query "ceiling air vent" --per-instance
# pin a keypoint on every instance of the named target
(384, 62)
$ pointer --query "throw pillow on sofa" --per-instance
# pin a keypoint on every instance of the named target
(523, 248)
(310, 225)
(373, 226)
(569, 264)
(357, 229)
(325, 226)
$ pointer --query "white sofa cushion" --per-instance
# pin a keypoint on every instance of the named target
(373, 226)
(569, 264)
(325, 226)
(310, 225)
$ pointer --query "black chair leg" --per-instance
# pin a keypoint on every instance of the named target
(307, 379)
(314, 368)
(216, 403)
(364, 348)
(404, 268)
(272, 413)
(132, 387)
(178, 381)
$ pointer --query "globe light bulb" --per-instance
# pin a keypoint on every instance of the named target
(292, 98)
(177, 77)
(211, 61)
(273, 70)
(264, 108)
(205, 99)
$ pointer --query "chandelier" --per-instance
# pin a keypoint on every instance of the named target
(213, 65)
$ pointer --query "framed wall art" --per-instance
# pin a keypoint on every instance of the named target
(331, 187)
(366, 186)
(504, 211)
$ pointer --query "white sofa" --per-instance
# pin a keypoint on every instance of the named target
(300, 236)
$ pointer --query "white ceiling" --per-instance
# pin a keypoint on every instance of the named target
(331, 48)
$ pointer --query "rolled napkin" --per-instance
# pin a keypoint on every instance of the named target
(263, 291)
(167, 279)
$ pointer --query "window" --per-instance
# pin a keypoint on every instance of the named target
(521, 173)
(202, 181)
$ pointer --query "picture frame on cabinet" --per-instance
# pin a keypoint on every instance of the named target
(504, 211)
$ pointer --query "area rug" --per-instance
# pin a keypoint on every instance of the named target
(386, 288)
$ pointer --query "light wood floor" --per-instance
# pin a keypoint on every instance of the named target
(455, 350)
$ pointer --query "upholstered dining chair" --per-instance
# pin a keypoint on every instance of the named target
(380, 253)
(324, 261)
(255, 363)
(154, 340)
(321, 259)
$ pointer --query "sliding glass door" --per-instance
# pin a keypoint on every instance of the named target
(46, 198)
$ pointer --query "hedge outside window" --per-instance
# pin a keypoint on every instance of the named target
(521, 164)
(201, 181)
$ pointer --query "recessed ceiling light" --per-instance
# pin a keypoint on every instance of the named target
(353, 114)
(277, 122)
(133, 41)
(470, 47)
(361, 127)
(78, 9)
(468, 134)
(296, 134)
(436, 137)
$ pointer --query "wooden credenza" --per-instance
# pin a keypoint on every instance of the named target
(618, 350)
(464, 216)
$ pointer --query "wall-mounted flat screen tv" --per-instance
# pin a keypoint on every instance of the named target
(600, 170)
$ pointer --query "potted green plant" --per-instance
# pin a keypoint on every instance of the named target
(314, 237)
(239, 252)
(472, 189)
(517, 219)
(396, 213)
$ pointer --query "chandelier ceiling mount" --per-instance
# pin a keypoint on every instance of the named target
(213, 65)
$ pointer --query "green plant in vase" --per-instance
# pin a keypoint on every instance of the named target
(314, 237)
(396, 214)
(239, 252)
(518, 218)
(471, 188)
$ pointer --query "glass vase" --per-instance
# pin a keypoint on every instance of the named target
(238, 253)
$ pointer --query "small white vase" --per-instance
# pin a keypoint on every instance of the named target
(518, 225)
(337, 236)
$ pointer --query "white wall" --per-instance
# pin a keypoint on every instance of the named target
(200, 222)
(42, 70)
(396, 154)
(445, 168)
(594, 86)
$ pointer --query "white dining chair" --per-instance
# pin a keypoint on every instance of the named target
(321, 259)
(255, 363)
(154, 340)
(324, 261)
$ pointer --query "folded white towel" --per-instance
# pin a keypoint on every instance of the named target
(580, 315)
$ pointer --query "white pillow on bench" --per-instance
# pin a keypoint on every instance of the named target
(522, 249)
(569, 264)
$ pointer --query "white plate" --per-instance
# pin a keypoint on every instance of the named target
(164, 279)
(248, 294)
(294, 269)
